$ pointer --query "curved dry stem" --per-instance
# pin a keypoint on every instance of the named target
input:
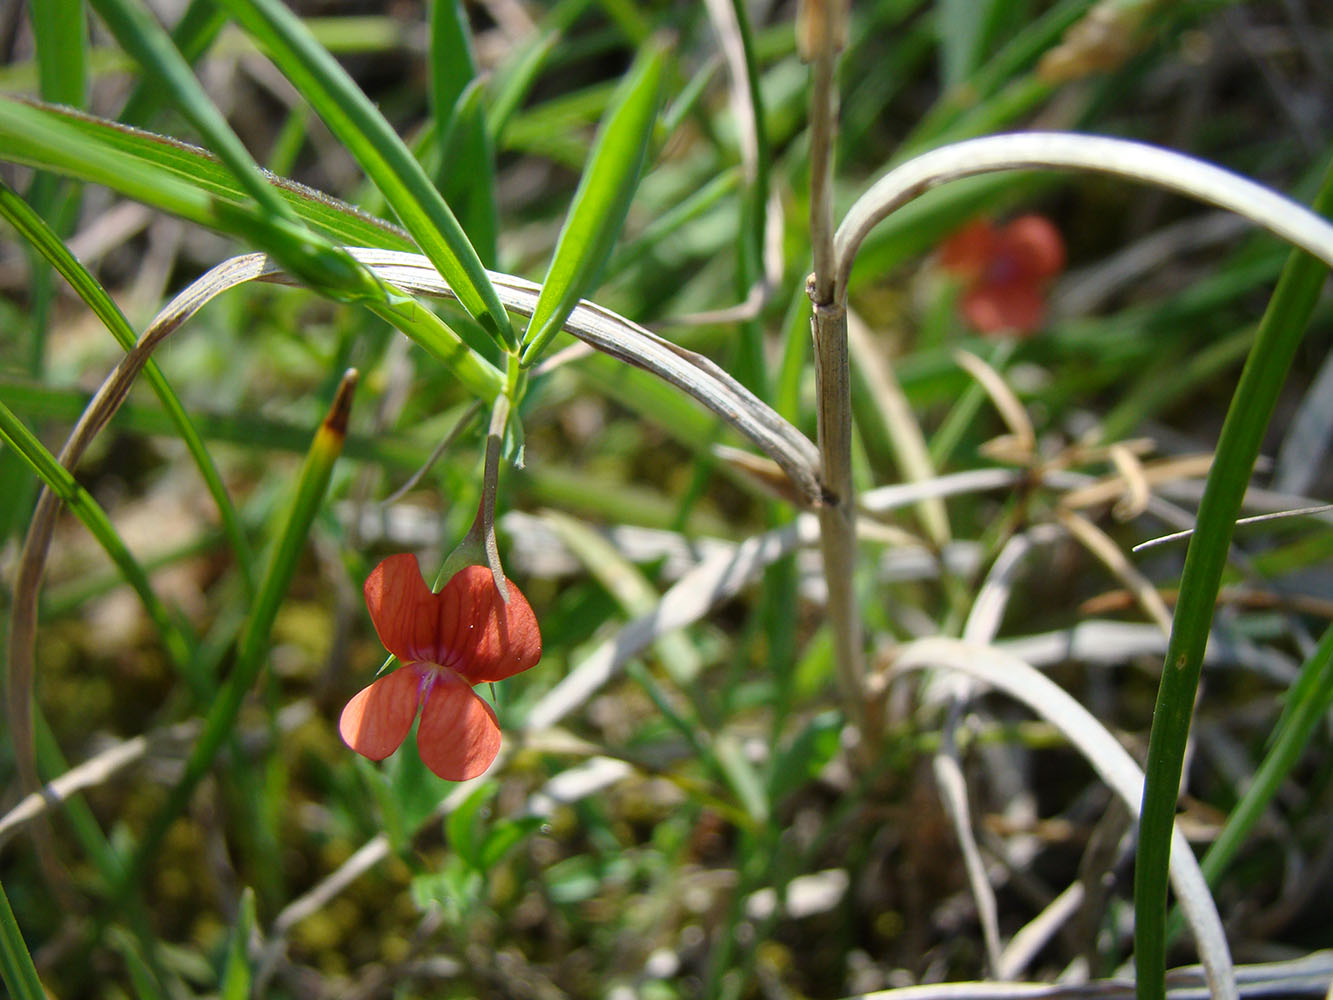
(37, 543)
(612, 334)
(1111, 761)
(1135, 161)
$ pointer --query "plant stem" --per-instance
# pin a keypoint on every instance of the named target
(837, 513)
(819, 33)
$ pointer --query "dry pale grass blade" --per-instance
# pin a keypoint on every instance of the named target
(600, 328)
(91, 773)
(909, 444)
(1109, 555)
(1304, 451)
(714, 580)
(1133, 161)
(36, 544)
(1107, 643)
(1323, 508)
(105, 765)
(1108, 758)
(890, 498)
(1089, 291)
(722, 15)
(1023, 947)
(1130, 467)
(988, 608)
(982, 623)
(1308, 976)
(1116, 488)
(948, 772)
(1021, 444)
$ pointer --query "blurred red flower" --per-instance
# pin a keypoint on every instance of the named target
(1007, 271)
(447, 642)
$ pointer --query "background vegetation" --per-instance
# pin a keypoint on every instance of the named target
(682, 808)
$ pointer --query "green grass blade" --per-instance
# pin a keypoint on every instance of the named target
(86, 509)
(236, 973)
(192, 35)
(61, 32)
(273, 223)
(21, 216)
(1308, 703)
(292, 536)
(140, 35)
(441, 341)
(514, 79)
(176, 177)
(466, 140)
(600, 203)
(16, 967)
(1280, 332)
(159, 173)
(452, 63)
(456, 99)
(386, 160)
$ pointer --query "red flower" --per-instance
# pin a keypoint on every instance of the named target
(464, 635)
(1007, 271)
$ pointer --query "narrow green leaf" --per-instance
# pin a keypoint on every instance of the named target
(142, 977)
(81, 503)
(185, 181)
(457, 95)
(387, 161)
(176, 177)
(504, 837)
(466, 141)
(61, 33)
(271, 220)
(452, 63)
(514, 78)
(21, 216)
(1280, 331)
(1307, 705)
(806, 755)
(196, 30)
(16, 967)
(292, 535)
(600, 203)
(742, 777)
(139, 34)
(236, 973)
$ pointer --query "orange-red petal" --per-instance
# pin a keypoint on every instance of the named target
(969, 250)
(405, 612)
(1036, 246)
(459, 736)
(484, 638)
(377, 720)
(1015, 307)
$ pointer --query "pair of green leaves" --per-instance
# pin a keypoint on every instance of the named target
(302, 229)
